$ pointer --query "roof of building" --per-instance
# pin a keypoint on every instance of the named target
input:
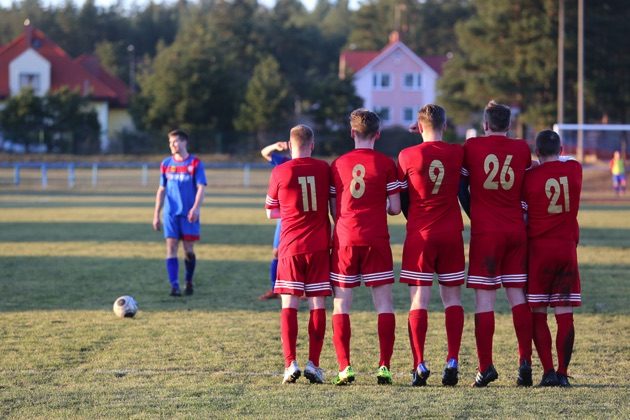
(83, 74)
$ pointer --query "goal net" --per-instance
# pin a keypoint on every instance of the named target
(600, 141)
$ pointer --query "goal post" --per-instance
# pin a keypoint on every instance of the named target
(599, 140)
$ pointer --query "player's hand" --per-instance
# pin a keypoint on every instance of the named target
(157, 226)
(193, 215)
(413, 128)
(281, 146)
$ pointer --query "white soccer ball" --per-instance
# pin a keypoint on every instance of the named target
(125, 307)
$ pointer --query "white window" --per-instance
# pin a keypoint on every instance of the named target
(383, 113)
(31, 80)
(412, 81)
(408, 114)
(382, 81)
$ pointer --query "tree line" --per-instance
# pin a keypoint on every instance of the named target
(237, 74)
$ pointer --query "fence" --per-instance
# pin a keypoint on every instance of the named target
(122, 175)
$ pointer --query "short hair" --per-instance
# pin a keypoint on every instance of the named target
(302, 135)
(433, 116)
(498, 116)
(180, 134)
(365, 122)
(548, 143)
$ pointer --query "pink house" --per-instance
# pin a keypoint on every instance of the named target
(394, 82)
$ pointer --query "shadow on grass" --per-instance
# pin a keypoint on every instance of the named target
(73, 283)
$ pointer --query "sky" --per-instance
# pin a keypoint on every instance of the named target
(106, 3)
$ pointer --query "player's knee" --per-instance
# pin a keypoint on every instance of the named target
(190, 256)
(275, 253)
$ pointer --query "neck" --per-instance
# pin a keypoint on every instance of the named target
(552, 158)
(431, 136)
(181, 155)
(497, 133)
(300, 153)
(363, 143)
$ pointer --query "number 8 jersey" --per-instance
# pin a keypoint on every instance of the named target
(495, 166)
(361, 181)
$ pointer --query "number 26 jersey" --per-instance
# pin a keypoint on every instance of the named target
(495, 166)
(361, 181)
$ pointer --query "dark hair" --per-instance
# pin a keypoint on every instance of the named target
(365, 122)
(497, 116)
(548, 143)
(433, 116)
(302, 134)
(180, 134)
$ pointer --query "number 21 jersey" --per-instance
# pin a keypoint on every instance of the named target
(495, 166)
(361, 180)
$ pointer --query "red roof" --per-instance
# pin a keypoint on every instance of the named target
(353, 61)
(65, 72)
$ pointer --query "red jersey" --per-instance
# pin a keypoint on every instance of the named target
(361, 180)
(552, 196)
(300, 189)
(496, 168)
(430, 172)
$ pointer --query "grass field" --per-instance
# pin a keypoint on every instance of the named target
(66, 255)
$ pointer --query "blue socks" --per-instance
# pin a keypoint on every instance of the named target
(172, 268)
(273, 272)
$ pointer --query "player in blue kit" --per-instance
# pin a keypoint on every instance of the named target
(181, 191)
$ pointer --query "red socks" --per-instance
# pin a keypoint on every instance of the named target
(564, 341)
(341, 339)
(316, 331)
(454, 320)
(484, 332)
(288, 334)
(522, 318)
(386, 335)
(417, 324)
(542, 340)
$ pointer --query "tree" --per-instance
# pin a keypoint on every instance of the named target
(22, 119)
(507, 51)
(267, 104)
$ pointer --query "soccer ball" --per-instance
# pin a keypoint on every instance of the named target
(125, 307)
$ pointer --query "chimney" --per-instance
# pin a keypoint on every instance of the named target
(28, 32)
(394, 37)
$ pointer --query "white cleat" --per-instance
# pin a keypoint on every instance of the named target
(292, 373)
(313, 373)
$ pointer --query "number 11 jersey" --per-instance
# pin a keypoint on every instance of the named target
(495, 166)
(361, 181)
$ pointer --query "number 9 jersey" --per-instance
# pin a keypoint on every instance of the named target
(496, 167)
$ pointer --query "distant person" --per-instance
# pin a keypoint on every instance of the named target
(618, 171)
(298, 194)
(494, 169)
(181, 192)
(551, 193)
(429, 174)
(364, 189)
(273, 154)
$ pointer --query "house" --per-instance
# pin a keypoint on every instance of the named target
(394, 82)
(34, 60)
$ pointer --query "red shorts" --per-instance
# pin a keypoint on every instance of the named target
(441, 253)
(497, 258)
(554, 279)
(351, 264)
(304, 274)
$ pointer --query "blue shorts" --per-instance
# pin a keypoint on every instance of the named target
(276, 235)
(180, 228)
(619, 180)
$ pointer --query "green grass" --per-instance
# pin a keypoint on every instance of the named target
(65, 256)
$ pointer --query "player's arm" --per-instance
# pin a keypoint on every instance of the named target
(273, 213)
(159, 202)
(193, 214)
(404, 203)
(393, 204)
(332, 204)
(464, 195)
(278, 146)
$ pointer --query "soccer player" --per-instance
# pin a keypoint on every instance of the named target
(494, 168)
(181, 191)
(552, 196)
(618, 171)
(364, 189)
(429, 174)
(273, 154)
(298, 194)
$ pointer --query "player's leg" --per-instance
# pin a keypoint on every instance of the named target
(542, 341)
(454, 323)
(190, 262)
(484, 334)
(172, 233)
(288, 334)
(273, 266)
(565, 337)
(417, 325)
(317, 287)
